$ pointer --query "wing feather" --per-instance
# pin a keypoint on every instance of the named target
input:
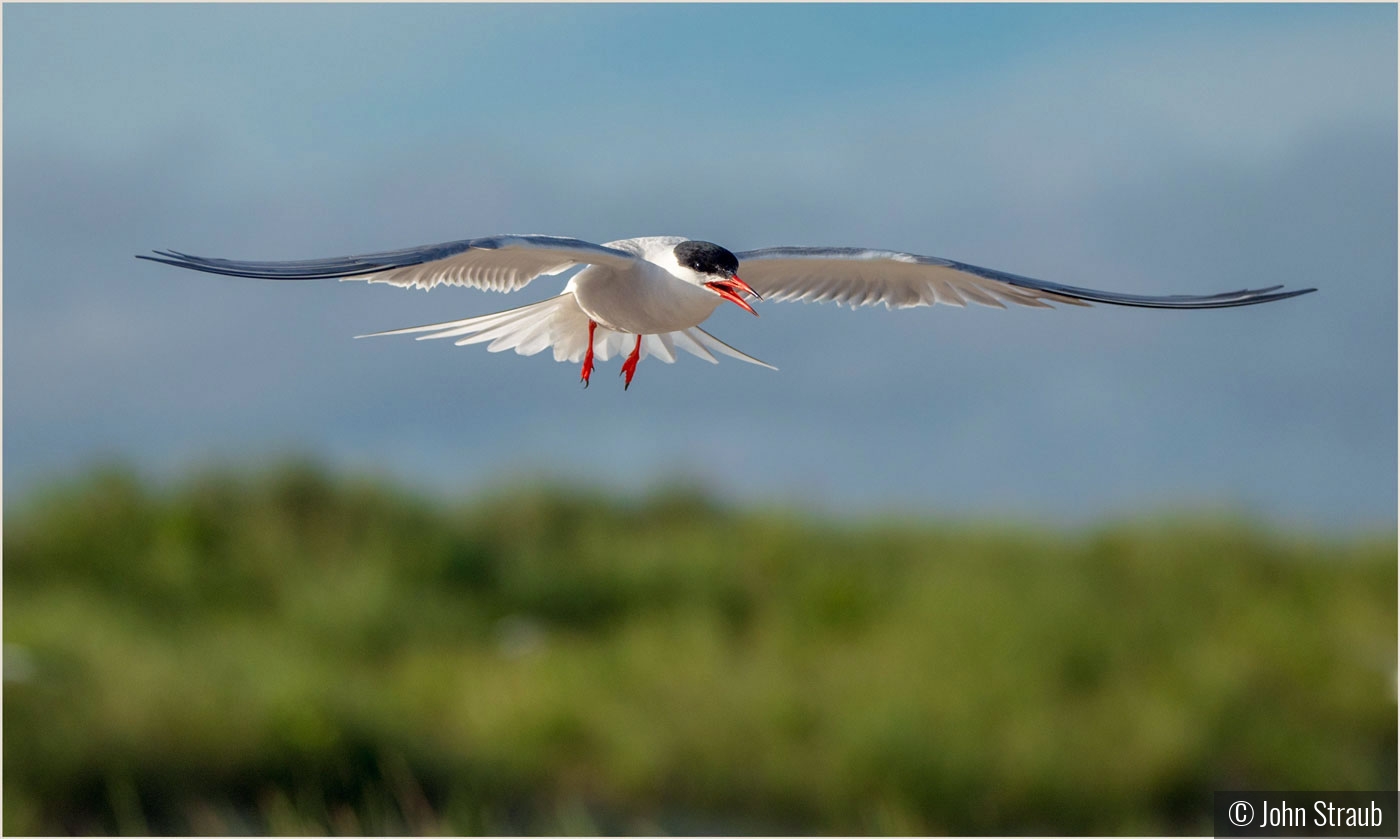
(493, 263)
(863, 277)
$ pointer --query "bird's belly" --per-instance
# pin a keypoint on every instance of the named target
(642, 304)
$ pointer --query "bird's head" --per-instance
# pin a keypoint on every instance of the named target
(715, 268)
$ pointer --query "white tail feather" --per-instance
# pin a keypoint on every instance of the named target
(559, 323)
(711, 342)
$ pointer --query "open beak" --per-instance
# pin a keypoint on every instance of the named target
(731, 289)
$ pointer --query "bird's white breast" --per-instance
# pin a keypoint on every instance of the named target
(648, 299)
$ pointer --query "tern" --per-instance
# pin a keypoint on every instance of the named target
(654, 292)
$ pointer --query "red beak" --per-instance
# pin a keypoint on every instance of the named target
(731, 288)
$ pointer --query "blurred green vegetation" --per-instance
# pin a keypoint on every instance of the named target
(295, 652)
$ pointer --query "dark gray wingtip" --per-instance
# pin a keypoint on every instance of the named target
(316, 269)
(162, 258)
(1284, 295)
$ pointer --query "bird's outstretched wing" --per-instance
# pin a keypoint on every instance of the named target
(863, 277)
(494, 263)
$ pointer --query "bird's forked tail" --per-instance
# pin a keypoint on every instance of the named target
(559, 323)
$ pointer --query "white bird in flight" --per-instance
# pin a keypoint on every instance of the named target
(655, 291)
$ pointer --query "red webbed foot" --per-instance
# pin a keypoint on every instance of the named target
(629, 367)
(588, 356)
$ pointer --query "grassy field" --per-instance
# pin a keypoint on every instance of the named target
(295, 652)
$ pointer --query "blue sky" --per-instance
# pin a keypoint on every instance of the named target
(1140, 148)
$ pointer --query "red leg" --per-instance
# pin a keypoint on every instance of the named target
(629, 367)
(588, 357)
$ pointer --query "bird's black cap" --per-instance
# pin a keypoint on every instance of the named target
(707, 258)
